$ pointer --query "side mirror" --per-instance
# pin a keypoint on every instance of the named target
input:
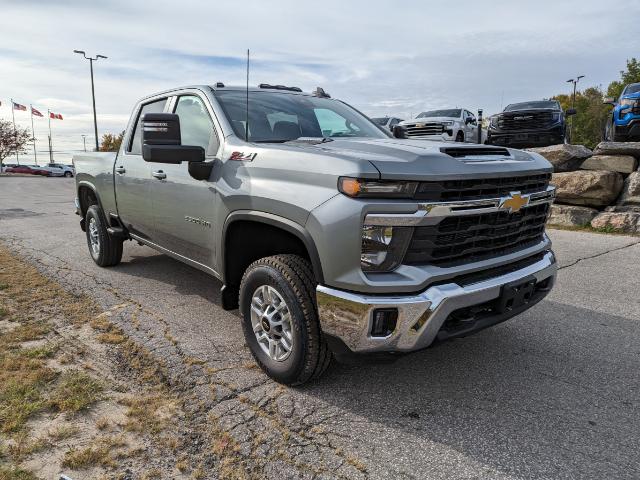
(161, 140)
(609, 101)
(570, 111)
(399, 131)
(468, 120)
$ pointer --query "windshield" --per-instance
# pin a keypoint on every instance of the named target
(456, 112)
(552, 104)
(276, 117)
(633, 88)
(382, 121)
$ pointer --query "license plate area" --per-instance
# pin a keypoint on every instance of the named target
(515, 295)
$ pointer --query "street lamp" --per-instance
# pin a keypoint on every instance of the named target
(573, 101)
(93, 94)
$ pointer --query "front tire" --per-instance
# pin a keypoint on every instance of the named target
(460, 137)
(280, 319)
(68, 174)
(105, 250)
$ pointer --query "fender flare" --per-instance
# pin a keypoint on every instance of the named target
(90, 186)
(276, 221)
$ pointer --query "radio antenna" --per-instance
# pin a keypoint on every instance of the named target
(246, 123)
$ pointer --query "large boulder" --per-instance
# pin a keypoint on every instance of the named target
(631, 190)
(617, 221)
(564, 157)
(571, 216)
(593, 188)
(618, 148)
(615, 163)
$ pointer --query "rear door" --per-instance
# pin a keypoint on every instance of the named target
(133, 178)
(184, 207)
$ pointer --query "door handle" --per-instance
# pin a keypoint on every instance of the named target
(120, 170)
(160, 175)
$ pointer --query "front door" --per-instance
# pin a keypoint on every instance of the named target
(133, 179)
(184, 207)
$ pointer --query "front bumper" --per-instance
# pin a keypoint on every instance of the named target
(629, 128)
(427, 316)
(532, 138)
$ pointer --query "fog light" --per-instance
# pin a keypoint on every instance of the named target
(384, 322)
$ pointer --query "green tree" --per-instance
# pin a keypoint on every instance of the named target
(630, 75)
(12, 140)
(589, 122)
(111, 142)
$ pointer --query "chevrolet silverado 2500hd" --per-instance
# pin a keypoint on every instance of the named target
(330, 236)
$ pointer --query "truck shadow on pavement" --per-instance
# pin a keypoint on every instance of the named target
(551, 393)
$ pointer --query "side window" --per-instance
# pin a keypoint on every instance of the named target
(333, 124)
(135, 146)
(196, 126)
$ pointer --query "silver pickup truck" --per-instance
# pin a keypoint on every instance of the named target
(332, 237)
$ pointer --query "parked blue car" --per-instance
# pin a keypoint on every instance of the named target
(624, 124)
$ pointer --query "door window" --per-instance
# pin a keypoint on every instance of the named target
(135, 147)
(196, 126)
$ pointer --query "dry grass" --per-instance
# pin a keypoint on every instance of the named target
(103, 452)
(149, 413)
(15, 473)
(74, 392)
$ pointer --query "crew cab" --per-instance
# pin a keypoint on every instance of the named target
(624, 122)
(453, 124)
(529, 124)
(332, 237)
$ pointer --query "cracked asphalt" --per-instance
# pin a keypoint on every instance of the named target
(553, 393)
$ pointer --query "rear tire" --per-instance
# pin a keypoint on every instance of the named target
(105, 250)
(280, 319)
(68, 174)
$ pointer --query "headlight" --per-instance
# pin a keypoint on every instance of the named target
(383, 247)
(627, 102)
(448, 123)
(358, 188)
(555, 117)
(494, 121)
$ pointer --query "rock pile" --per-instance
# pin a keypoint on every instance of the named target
(599, 188)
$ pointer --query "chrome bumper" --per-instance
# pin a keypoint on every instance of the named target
(348, 316)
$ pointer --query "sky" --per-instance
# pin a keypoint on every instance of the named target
(382, 57)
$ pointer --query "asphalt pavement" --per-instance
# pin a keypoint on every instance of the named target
(553, 393)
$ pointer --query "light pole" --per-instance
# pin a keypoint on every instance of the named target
(573, 101)
(93, 94)
(84, 142)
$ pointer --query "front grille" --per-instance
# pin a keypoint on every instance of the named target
(421, 129)
(470, 238)
(525, 121)
(477, 189)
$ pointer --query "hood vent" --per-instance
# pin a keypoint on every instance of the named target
(463, 152)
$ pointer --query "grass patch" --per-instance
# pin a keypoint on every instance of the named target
(103, 453)
(74, 392)
(15, 473)
(63, 432)
(149, 413)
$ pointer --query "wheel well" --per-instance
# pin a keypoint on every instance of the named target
(87, 198)
(247, 241)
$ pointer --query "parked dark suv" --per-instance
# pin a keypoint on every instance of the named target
(529, 124)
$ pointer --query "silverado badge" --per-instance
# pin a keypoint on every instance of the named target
(514, 202)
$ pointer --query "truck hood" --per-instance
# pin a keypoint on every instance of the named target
(516, 113)
(406, 159)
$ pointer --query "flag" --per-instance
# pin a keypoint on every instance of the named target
(56, 116)
(36, 112)
(17, 106)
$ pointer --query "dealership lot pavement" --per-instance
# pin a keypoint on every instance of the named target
(554, 393)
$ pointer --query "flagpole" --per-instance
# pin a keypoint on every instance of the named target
(13, 115)
(33, 134)
(50, 145)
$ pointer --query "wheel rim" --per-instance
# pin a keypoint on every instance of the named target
(94, 237)
(271, 322)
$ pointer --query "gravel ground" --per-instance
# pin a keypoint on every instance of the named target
(553, 393)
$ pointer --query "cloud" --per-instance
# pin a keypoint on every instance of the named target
(372, 54)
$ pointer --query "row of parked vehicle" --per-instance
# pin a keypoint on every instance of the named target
(49, 170)
(520, 125)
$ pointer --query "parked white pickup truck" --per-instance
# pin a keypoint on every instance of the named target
(452, 124)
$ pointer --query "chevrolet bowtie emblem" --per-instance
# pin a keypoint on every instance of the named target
(514, 202)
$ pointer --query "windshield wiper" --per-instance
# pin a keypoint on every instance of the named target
(311, 140)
